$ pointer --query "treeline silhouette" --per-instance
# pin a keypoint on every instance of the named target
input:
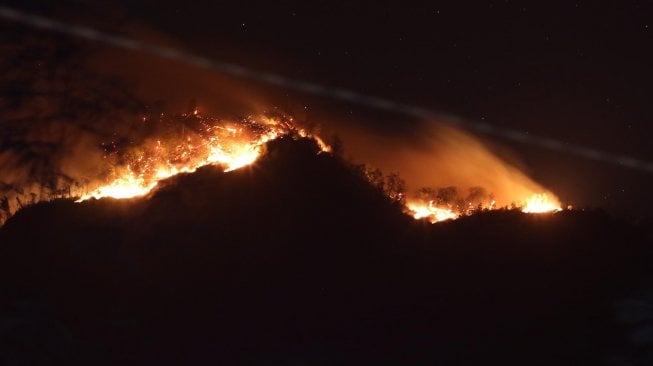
(299, 260)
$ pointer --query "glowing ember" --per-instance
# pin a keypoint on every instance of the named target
(541, 203)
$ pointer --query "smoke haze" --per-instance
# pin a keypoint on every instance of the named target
(68, 106)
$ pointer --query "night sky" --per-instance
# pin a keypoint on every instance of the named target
(571, 70)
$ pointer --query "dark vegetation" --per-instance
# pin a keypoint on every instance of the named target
(52, 102)
(299, 260)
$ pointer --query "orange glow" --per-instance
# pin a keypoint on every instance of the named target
(535, 204)
(433, 213)
(125, 187)
(231, 146)
(541, 203)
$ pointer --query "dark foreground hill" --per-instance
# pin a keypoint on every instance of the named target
(298, 261)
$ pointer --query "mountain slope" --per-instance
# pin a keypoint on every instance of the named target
(298, 260)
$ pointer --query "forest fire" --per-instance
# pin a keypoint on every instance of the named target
(541, 203)
(442, 204)
(231, 146)
(190, 141)
(535, 204)
(430, 211)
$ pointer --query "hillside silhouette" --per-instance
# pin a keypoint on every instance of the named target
(298, 260)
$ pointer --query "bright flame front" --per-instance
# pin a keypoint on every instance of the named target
(430, 211)
(125, 187)
(231, 146)
(541, 203)
(238, 144)
(535, 204)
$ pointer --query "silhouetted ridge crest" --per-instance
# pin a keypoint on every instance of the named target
(298, 255)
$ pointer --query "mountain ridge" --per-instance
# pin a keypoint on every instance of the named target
(298, 259)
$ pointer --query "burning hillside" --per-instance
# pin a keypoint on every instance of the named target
(71, 131)
(184, 143)
(449, 172)
(436, 209)
(231, 145)
(301, 250)
(305, 212)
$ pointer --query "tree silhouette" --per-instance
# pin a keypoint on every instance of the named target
(395, 187)
(51, 100)
(447, 195)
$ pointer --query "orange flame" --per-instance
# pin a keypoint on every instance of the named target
(541, 203)
(237, 145)
(430, 211)
(535, 204)
(230, 146)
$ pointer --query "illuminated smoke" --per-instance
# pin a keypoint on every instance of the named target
(61, 110)
(448, 172)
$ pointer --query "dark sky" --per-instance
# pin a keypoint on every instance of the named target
(572, 70)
